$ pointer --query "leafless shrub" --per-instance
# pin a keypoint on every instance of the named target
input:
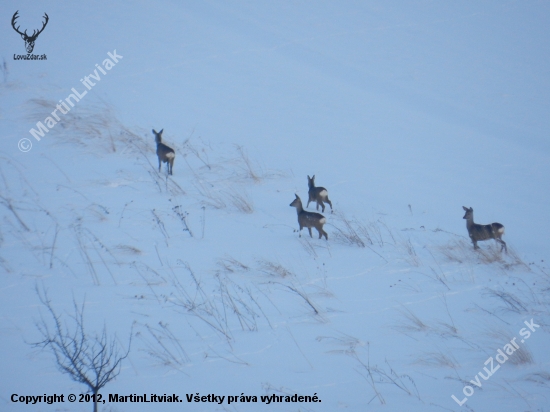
(94, 360)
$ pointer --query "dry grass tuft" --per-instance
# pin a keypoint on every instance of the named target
(347, 231)
(87, 124)
(513, 303)
(462, 251)
(413, 322)
(241, 202)
(438, 359)
(232, 265)
(411, 256)
(541, 378)
(354, 232)
(274, 269)
(521, 355)
(127, 250)
(250, 171)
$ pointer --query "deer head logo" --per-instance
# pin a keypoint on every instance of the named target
(29, 40)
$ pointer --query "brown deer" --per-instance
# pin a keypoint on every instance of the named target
(483, 232)
(309, 219)
(164, 153)
(317, 194)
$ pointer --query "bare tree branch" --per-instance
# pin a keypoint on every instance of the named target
(93, 360)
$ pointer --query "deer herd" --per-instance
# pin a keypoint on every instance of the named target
(319, 195)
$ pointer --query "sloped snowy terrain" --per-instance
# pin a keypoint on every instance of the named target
(405, 112)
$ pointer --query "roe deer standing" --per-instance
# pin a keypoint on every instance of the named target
(317, 194)
(483, 232)
(309, 219)
(164, 153)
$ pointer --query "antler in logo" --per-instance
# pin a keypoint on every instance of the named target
(29, 40)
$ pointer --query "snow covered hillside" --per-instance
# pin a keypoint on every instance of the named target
(404, 111)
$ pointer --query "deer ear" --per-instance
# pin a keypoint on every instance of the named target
(465, 208)
(296, 196)
(162, 130)
(154, 131)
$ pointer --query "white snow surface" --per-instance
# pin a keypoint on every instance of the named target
(404, 111)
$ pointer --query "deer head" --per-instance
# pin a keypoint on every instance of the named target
(29, 40)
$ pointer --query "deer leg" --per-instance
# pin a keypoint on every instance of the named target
(310, 235)
(320, 203)
(329, 202)
(171, 165)
(503, 244)
(321, 233)
(159, 164)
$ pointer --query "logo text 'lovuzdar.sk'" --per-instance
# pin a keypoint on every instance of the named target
(74, 97)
